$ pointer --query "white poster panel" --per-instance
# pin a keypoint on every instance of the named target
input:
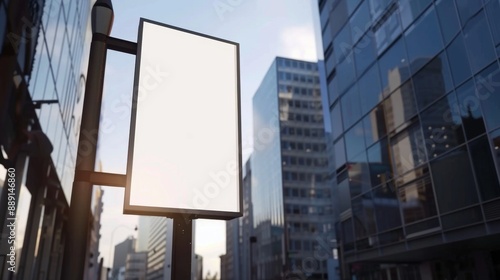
(184, 151)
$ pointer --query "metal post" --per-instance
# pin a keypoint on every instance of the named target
(79, 213)
(181, 248)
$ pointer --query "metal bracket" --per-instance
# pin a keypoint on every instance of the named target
(101, 178)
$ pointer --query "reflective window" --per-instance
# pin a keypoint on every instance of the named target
(355, 141)
(345, 73)
(344, 197)
(442, 127)
(336, 115)
(408, 150)
(495, 143)
(393, 67)
(478, 42)
(360, 21)
(457, 56)
(493, 10)
(364, 53)
(423, 40)
(364, 216)
(486, 175)
(409, 10)
(488, 92)
(432, 81)
(379, 160)
(387, 29)
(351, 5)
(453, 181)
(341, 16)
(417, 200)
(369, 89)
(359, 174)
(342, 43)
(400, 107)
(467, 8)
(377, 7)
(386, 207)
(339, 153)
(470, 110)
(351, 110)
(374, 125)
(448, 19)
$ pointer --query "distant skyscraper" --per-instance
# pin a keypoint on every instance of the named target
(120, 255)
(292, 203)
(160, 249)
(136, 266)
(414, 101)
(238, 233)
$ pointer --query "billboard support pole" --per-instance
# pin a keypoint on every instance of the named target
(182, 247)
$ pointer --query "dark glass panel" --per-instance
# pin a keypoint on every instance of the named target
(432, 81)
(486, 175)
(407, 150)
(347, 236)
(453, 181)
(400, 107)
(345, 73)
(409, 10)
(448, 19)
(488, 92)
(493, 10)
(417, 200)
(423, 40)
(467, 8)
(370, 90)
(342, 43)
(336, 116)
(374, 125)
(495, 142)
(339, 153)
(478, 42)
(355, 141)
(470, 110)
(359, 175)
(343, 196)
(364, 52)
(393, 67)
(377, 7)
(364, 216)
(442, 126)
(457, 56)
(379, 160)
(462, 218)
(386, 207)
(351, 5)
(387, 29)
(341, 16)
(351, 109)
(360, 21)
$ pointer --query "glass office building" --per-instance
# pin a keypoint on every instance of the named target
(42, 75)
(292, 202)
(414, 101)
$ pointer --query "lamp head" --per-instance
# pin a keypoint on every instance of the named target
(102, 17)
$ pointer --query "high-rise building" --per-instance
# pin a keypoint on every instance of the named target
(238, 233)
(414, 101)
(121, 252)
(136, 266)
(43, 55)
(159, 248)
(291, 196)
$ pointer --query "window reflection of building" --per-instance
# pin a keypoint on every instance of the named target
(428, 99)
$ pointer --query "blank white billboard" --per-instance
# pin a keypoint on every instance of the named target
(184, 152)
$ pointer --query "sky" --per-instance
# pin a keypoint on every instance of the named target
(264, 29)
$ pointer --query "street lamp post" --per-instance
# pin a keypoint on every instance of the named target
(79, 213)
